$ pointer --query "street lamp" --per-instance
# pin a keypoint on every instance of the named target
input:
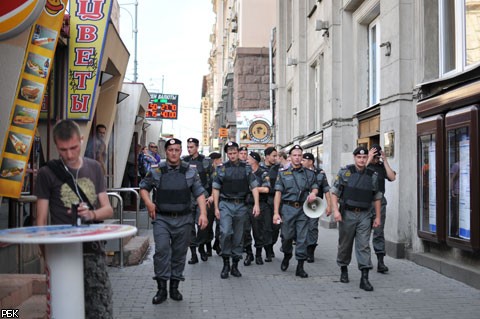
(135, 33)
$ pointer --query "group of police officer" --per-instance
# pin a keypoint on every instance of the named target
(246, 196)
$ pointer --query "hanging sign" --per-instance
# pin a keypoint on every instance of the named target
(88, 31)
(31, 87)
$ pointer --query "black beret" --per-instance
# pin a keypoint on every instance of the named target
(229, 144)
(269, 150)
(295, 147)
(362, 150)
(173, 141)
(193, 140)
(214, 155)
(309, 156)
(255, 156)
(243, 148)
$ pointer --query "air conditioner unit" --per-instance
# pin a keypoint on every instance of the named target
(321, 25)
(291, 61)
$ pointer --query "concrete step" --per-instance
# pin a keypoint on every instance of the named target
(34, 307)
(17, 288)
(133, 252)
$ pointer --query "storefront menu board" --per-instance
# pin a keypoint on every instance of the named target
(31, 86)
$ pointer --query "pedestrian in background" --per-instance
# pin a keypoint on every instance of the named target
(356, 188)
(171, 216)
(96, 146)
(378, 162)
(232, 181)
(293, 187)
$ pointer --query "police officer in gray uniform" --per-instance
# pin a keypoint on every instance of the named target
(175, 182)
(378, 162)
(271, 230)
(355, 187)
(294, 185)
(256, 225)
(312, 237)
(230, 187)
(204, 168)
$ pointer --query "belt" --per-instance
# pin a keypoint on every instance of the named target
(356, 209)
(292, 203)
(175, 214)
(237, 201)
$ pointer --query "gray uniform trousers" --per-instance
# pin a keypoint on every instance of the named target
(378, 234)
(355, 226)
(312, 235)
(172, 237)
(232, 223)
(294, 226)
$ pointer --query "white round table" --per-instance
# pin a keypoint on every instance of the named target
(64, 260)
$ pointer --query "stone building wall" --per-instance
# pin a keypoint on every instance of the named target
(251, 82)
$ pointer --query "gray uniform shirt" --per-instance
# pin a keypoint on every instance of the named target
(291, 182)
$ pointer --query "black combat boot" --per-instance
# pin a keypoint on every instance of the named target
(216, 247)
(226, 268)
(286, 259)
(194, 258)
(364, 283)
(209, 248)
(203, 254)
(272, 251)
(161, 295)
(235, 272)
(311, 253)
(381, 268)
(174, 293)
(258, 256)
(344, 275)
(249, 258)
(268, 253)
(300, 272)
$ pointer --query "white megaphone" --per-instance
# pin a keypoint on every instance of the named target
(316, 208)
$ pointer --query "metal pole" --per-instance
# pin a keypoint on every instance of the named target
(135, 62)
(270, 82)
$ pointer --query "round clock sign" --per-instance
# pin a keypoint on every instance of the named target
(260, 131)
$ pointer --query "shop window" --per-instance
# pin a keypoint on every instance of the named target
(462, 165)
(431, 210)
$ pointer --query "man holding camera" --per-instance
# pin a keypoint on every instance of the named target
(377, 161)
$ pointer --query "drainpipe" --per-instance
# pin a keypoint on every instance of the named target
(271, 85)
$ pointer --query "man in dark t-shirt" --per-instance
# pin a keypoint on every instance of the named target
(57, 197)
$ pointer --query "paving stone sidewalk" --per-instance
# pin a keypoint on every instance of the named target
(263, 292)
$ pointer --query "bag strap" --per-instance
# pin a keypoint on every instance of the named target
(57, 167)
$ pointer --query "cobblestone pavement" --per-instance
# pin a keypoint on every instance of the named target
(264, 291)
